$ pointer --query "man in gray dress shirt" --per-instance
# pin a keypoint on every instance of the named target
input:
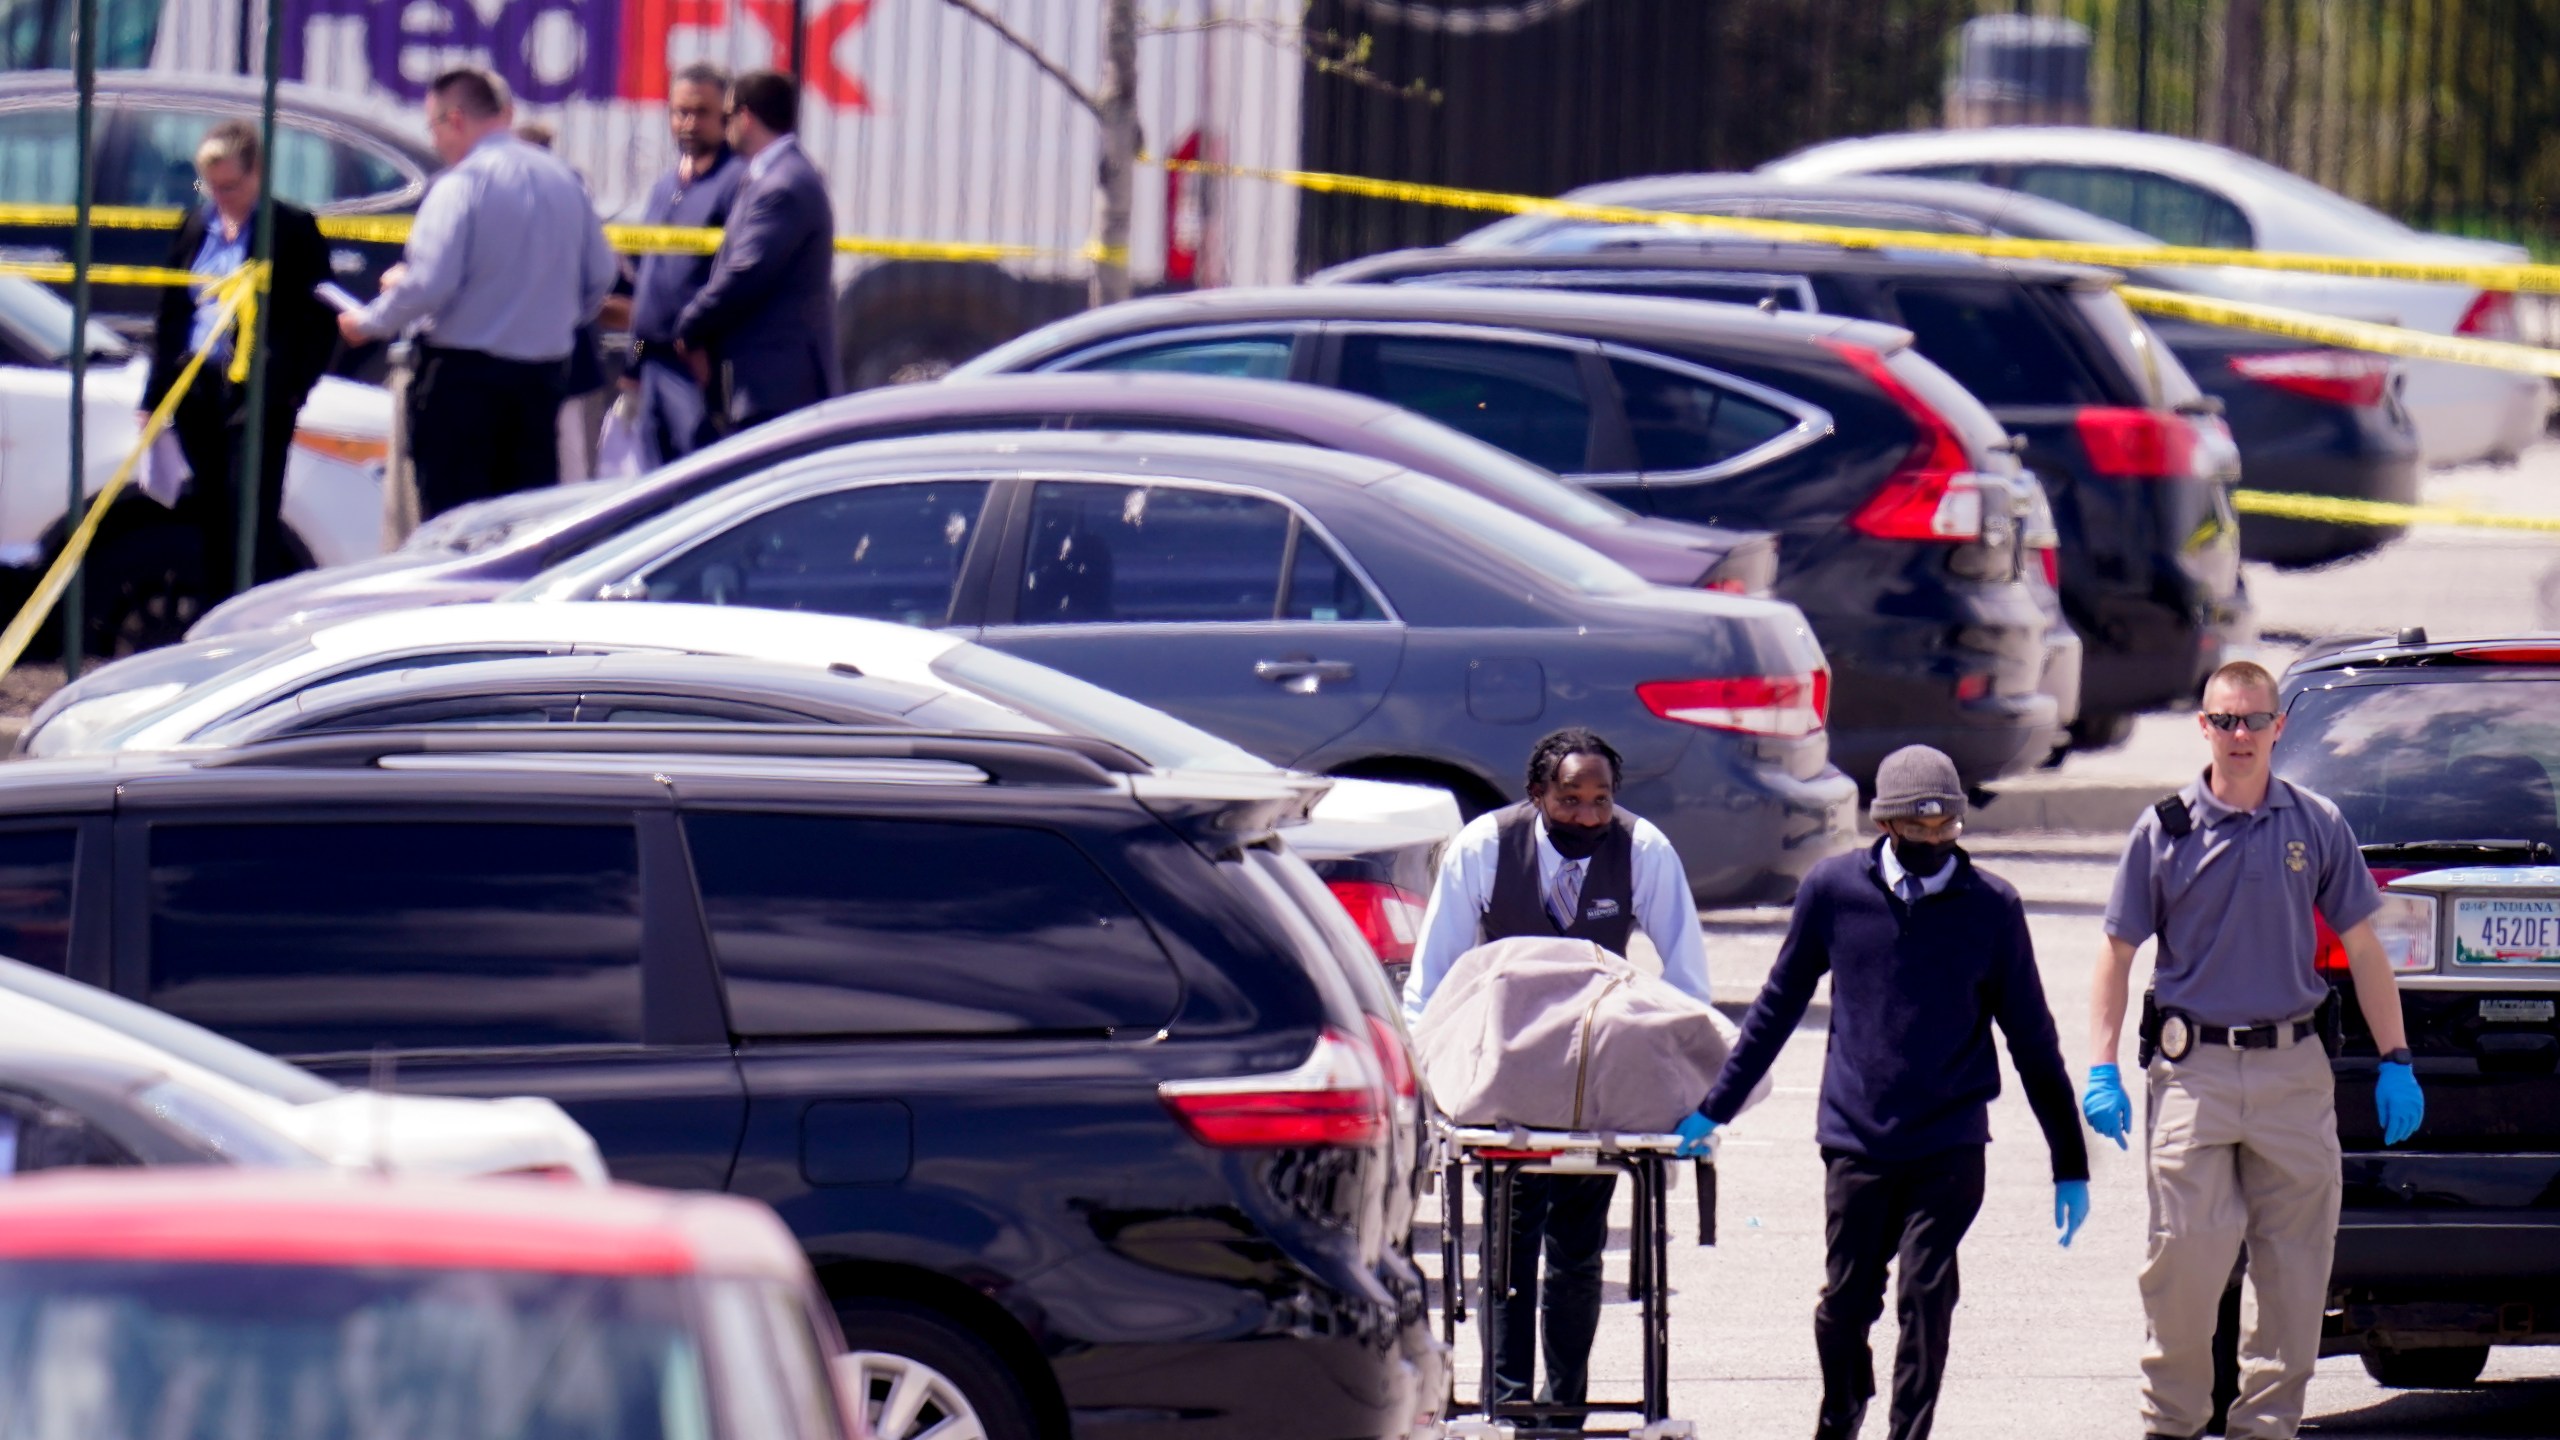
(505, 262)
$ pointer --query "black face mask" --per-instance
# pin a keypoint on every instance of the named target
(1921, 858)
(1575, 842)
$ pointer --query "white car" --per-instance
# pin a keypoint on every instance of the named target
(2184, 192)
(352, 1129)
(144, 559)
(172, 699)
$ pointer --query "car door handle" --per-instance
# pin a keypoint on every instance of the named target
(1302, 677)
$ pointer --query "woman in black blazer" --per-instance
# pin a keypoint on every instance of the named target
(212, 418)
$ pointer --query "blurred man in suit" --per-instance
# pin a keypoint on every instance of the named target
(212, 420)
(760, 335)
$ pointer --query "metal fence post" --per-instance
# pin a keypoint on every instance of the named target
(250, 481)
(85, 66)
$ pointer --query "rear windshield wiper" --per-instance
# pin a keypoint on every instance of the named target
(2487, 852)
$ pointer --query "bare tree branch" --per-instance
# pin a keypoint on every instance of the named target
(1330, 53)
(1014, 38)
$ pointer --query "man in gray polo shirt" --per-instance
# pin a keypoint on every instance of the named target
(2242, 1141)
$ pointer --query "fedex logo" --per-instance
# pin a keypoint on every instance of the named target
(614, 50)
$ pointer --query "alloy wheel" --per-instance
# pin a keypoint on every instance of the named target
(903, 1398)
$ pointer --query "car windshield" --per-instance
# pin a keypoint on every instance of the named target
(1539, 494)
(1078, 708)
(1515, 538)
(43, 320)
(2435, 759)
(223, 1129)
(199, 1047)
(138, 1350)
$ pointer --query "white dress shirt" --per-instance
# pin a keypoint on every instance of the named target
(1929, 884)
(1665, 911)
(771, 155)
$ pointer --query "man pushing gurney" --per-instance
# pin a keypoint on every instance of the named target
(1566, 863)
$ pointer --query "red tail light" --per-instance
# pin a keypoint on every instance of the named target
(1183, 220)
(2492, 316)
(1788, 705)
(1932, 494)
(1393, 1060)
(2131, 444)
(1727, 587)
(1390, 918)
(2339, 377)
(1334, 1098)
(2329, 956)
(2052, 567)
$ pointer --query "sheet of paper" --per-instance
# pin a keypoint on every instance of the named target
(163, 473)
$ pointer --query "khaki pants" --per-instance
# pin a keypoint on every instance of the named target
(2243, 1146)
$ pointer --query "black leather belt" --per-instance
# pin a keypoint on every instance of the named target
(2253, 1037)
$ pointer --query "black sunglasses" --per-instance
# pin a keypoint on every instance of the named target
(2256, 720)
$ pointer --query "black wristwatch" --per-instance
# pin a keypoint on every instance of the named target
(2397, 1057)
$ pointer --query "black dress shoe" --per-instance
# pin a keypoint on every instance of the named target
(1842, 1424)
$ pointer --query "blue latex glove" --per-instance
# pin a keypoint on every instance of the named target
(1693, 1131)
(2396, 1097)
(2109, 1112)
(2070, 1208)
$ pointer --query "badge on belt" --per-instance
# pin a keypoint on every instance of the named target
(2177, 1037)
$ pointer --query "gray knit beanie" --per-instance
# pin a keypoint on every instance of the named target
(1917, 782)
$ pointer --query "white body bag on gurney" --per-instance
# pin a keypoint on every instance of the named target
(1557, 1034)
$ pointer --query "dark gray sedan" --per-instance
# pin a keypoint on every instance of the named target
(1328, 612)
(482, 550)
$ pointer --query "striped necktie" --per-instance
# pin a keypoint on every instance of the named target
(1566, 897)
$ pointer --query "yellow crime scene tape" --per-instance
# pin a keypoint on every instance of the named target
(238, 293)
(2274, 320)
(629, 239)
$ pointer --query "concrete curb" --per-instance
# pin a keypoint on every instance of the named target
(2093, 807)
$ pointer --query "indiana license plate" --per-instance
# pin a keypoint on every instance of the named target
(2490, 930)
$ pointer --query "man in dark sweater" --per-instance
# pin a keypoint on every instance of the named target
(1925, 952)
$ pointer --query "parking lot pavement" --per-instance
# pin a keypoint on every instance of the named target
(2047, 1341)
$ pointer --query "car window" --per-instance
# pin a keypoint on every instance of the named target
(2164, 381)
(1324, 587)
(1137, 553)
(1247, 357)
(160, 165)
(36, 1135)
(1968, 171)
(2431, 760)
(878, 552)
(340, 937)
(1680, 422)
(1527, 399)
(826, 925)
(1997, 342)
(38, 34)
(39, 159)
(35, 896)
(2173, 210)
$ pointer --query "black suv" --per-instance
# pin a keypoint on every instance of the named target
(1895, 498)
(2136, 464)
(2443, 756)
(1079, 1090)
